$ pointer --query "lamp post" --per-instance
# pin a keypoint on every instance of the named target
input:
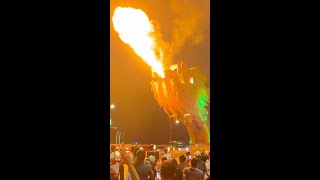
(174, 120)
(112, 106)
(119, 135)
(171, 118)
(170, 130)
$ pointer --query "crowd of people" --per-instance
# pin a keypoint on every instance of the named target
(156, 165)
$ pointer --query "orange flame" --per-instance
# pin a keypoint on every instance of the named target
(135, 29)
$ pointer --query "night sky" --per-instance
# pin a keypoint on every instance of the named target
(137, 113)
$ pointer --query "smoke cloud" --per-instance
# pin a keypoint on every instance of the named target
(188, 25)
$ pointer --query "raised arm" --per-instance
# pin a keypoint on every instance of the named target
(127, 160)
(184, 176)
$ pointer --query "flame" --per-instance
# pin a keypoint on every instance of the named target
(135, 29)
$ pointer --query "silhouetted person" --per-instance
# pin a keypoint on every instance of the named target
(157, 155)
(151, 152)
(201, 165)
(181, 166)
(189, 157)
(176, 169)
(152, 164)
(166, 154)
(143, 170)
(134, 150)
(114, 159)
(206, 160)
(167, 170)
(193, 173)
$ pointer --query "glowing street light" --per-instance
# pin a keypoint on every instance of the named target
(112, 106)
(173, 120)
(191, 80)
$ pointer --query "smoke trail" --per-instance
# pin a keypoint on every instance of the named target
(190, 16)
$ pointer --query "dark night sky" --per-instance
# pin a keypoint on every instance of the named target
(137, 113)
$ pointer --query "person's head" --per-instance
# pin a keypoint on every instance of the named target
(197, 154)
(163, 159)
(188, 153)
(165, 150)
(174, 162)
(152, 159)
(141, 155)
(204, 157)
(202, 153)
(194, 162)
(113, 148)
(134, 150)
(207, 152)
(151, 153)
(151, 147)
(157, 155)
(182, 158)
(167, 170)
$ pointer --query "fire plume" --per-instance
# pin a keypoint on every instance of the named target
(135, 29)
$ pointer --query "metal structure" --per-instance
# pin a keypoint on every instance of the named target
(118, 138)
(184, 97)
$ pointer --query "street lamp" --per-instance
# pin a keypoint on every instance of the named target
(171, 118)
(119, 134)
(171, 130)
(112, 106)
(118, 137)
(174, 120)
